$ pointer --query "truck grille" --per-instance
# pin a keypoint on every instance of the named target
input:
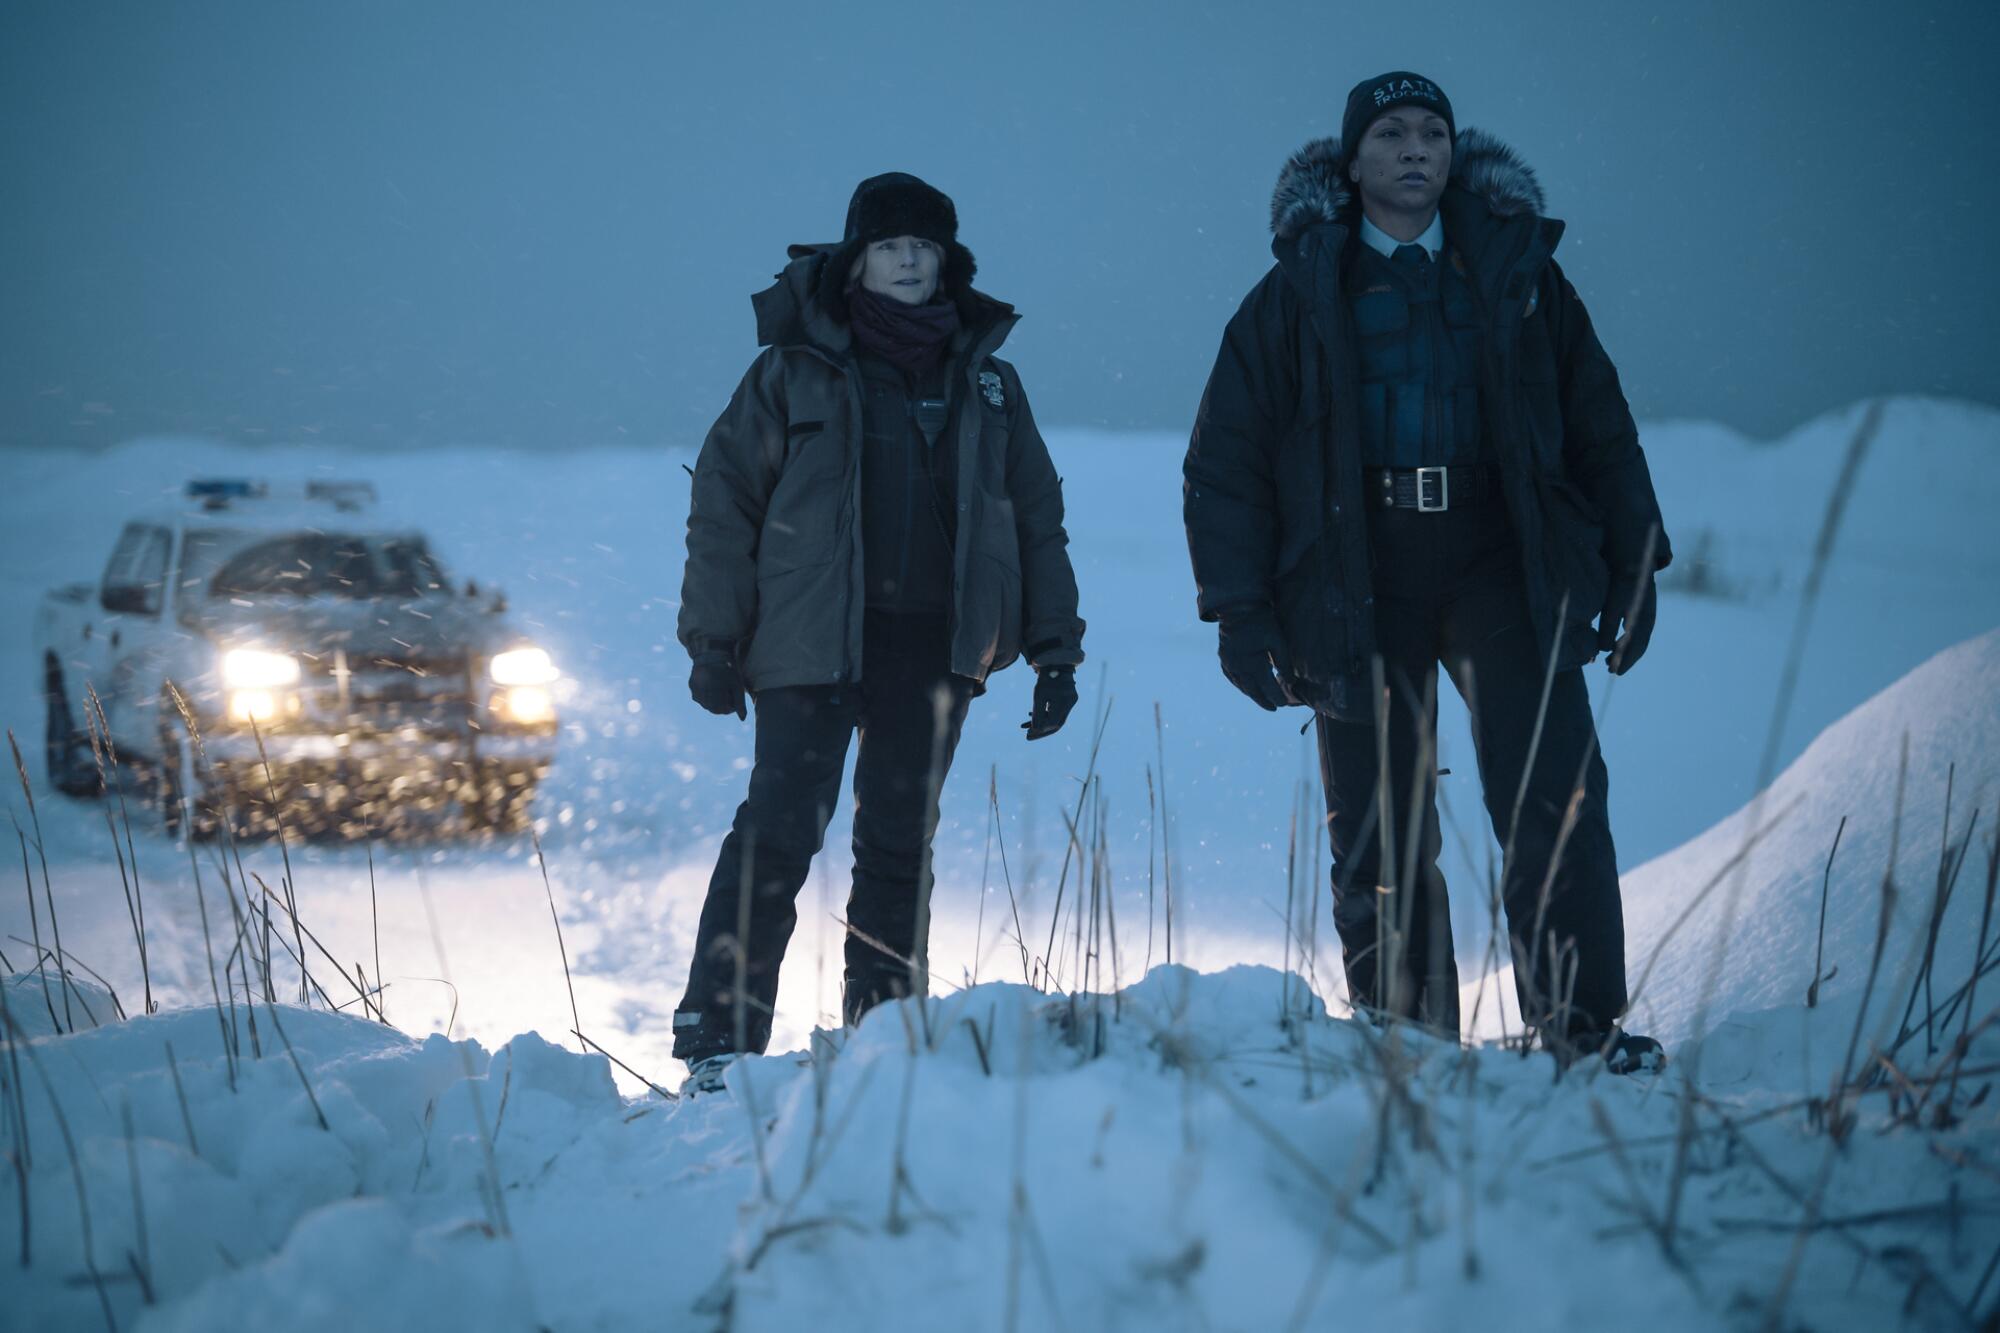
(379, 693)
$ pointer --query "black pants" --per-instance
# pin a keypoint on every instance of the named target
(801, 747)
(1448, 589)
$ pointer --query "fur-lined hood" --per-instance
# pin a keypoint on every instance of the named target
(1313, 187)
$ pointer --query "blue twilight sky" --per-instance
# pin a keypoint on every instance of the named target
(538, 225)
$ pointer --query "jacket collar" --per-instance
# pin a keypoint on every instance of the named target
(799, 310)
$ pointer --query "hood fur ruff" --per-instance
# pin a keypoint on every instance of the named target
(1313, 188)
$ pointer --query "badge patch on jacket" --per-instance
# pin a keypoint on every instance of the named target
(989, 384)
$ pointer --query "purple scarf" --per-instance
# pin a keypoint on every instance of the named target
(910, 337)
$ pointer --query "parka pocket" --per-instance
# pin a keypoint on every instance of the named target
(992, 604)
(1573, 549)
(1312, 613)
(807, 509)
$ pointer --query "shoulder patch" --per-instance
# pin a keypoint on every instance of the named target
(994, 391)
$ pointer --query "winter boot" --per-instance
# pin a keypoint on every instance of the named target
(1623, 1053)
(705, 1074)
(1628, 1054)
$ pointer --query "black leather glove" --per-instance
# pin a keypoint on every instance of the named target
(715, 682)
(1628, 648)
(1251, 647)
(1055, 695)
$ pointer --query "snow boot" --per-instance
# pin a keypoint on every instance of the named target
(705, 1074)
(1628, 1054)
(1623, 1053)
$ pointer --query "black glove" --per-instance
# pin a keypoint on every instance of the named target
(1251, 647)
(1055, 695)
(1627, 649)
(715, 682)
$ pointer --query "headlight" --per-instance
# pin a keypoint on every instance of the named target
(256, 669)
(526, 705)
(252, 706)
(522, 666)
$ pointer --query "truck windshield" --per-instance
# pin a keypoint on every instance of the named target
(310, 564)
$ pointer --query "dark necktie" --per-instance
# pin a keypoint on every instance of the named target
(1413, 255)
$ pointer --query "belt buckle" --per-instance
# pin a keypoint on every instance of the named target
(1443, 478)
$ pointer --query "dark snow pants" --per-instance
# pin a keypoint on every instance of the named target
(1448, 589)
(801, 748)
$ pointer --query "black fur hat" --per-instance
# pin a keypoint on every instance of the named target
(899, 204)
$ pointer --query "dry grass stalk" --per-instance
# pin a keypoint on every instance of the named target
(19, 1155)
(1949, 866)
(104, 754)
(1819, 947)
(561, 948)
(375, 928)
(1388, 952)
(300, 1069)
(180, 1095)
(985, 877)
(214, 986)
(69, 1024)
(1007, 878)
(1070, 847)
(65, 960)
(284, 849)
(75, 1166)
(299, 929)
(1152, 825)
(1166, 829)
(142, 1262)
(669, 1096)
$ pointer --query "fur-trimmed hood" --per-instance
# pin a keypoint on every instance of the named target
(1313, 187)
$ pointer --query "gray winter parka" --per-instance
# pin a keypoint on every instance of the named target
(774, 540)
(1273, 499)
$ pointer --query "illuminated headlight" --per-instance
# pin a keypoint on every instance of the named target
(252, 706)
(523, 666)
(256, 669)
(526, 705)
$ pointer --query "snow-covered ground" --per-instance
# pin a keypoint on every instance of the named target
(588, 547)
(1194, 1151)
(1225, 1162)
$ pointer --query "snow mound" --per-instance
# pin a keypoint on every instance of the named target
(1196, 1151)
(1679, 917)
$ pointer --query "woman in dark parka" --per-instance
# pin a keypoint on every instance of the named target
(875, 528)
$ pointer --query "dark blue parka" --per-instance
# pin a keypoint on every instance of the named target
(1273, 496)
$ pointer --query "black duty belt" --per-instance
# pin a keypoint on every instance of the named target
(1430, 490)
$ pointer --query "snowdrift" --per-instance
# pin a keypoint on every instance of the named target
(1192, 1151)
(1200, 1151)
(1903, 782)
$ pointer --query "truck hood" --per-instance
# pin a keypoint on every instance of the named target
(399, 631)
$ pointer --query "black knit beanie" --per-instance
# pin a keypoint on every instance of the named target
(1385, 92)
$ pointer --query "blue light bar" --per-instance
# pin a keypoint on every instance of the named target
(221, 489)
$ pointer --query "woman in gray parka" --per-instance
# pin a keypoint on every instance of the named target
(875, 528)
